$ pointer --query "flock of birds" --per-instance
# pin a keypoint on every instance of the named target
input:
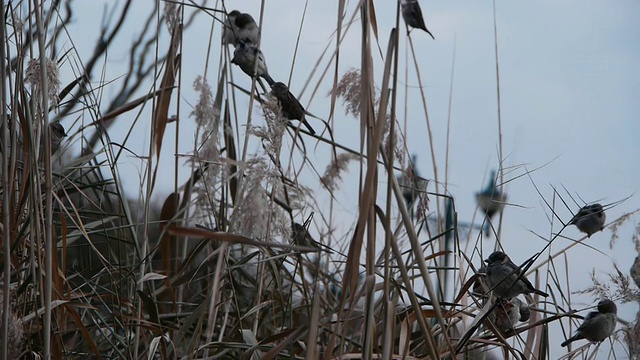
(242, 31)
(503, 278)
(506, 281)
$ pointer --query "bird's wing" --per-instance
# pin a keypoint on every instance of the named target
(294, 101)
(589, 320)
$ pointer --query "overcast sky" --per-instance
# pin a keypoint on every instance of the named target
(570, 88)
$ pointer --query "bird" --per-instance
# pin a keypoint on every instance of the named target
(507, 313)
(240, 27)
(598, 325)
(291, 107)
(411, 183)
(505, 279)
(302, 237)
(490, 201)
(245, 56)
(589, 219)
(412, 15)
(57, 135)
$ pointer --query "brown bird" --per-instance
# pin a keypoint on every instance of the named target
(56, 134)
(507, 313)
(291, 107)
(412, 15)
(302, 237)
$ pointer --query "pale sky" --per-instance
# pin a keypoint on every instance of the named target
(569, 84)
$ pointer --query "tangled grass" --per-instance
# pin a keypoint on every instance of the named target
(217, 268)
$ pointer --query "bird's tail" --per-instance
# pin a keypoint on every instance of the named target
(571, 339)
(430, 34)
(261, 85)
(269, 79)
(541, 293)
(308, 126)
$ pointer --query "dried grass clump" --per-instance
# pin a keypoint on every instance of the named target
(15, 327)
(33, 77)
(333, 173)
(349, 90)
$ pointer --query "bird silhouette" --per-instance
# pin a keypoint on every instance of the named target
(490, 201)
(412, 15)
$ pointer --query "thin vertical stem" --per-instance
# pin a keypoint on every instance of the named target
(48, 251)
(6, 249)
(500, 158)
(387, 345)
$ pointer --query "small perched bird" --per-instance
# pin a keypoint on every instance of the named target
(490, 201)
(56, 134)
(412, 15)
(245, 56)
(507, 313)
(411, 183)
(240, 27)
(291, 107)
(598, 325)
(302, 237)
(504, 277)
(590, 219)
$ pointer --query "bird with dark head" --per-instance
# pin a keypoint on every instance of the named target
(245, 56)
(590, 219)
(302, 237)
(240, 27)
(490, 201)
(598, 325)
(290, 106)
(505, 278)
(57, 135)
(412, 15)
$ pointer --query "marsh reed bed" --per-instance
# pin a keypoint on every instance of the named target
(242, 257)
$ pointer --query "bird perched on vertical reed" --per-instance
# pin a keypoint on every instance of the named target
(412, 15)
(240, 27)
(302, 237)
(598, 325)
(291, 107)
(505, 278)
(245, 56)
(589, 219)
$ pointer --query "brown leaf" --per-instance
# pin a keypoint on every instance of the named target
(168, 245)
(230, 145)
(161, 116)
